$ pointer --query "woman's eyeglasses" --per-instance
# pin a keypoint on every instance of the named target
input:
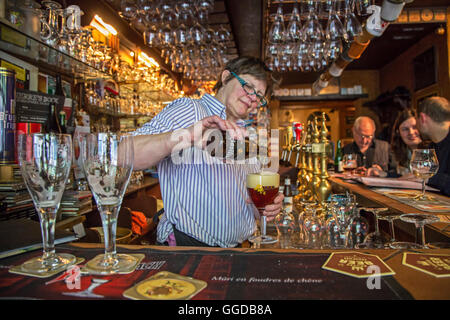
(250, 90)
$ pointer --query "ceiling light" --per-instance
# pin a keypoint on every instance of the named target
(103, 27)
(149, 61)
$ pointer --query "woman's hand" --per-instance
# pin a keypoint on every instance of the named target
(272, 210)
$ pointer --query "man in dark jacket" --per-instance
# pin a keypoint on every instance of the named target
(373, 155)
(433, 121)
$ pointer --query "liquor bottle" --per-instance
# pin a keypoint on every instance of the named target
(52, 125)
(338, 165)
(59, 89)
(62, 121)
(288, 195)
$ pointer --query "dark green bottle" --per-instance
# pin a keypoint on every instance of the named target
(338, 158)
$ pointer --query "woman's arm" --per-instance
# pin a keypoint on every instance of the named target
(149, 150)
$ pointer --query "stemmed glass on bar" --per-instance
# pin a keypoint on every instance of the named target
(419, 220)
(263, 189)
(424, 164)
(108, 163)
(45, 161)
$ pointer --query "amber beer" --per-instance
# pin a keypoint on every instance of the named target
(263, 188)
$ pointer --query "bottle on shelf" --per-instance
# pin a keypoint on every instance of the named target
(288, 195)
(52, 125)
(62, 121)
(338, 165)
(59, 89)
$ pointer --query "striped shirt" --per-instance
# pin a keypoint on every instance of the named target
(204, 197)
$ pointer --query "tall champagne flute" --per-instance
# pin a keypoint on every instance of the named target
(45, 161)
(424, 164)
(263, 189)
(108, 163)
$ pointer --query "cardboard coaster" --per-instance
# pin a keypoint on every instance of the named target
(165, 286)
(138, 256)
(18, 270)
(356, 264)
(437, 265)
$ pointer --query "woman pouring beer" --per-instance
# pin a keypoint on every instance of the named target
(206, 201)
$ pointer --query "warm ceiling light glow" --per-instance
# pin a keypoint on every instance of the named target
(97, 26)
(105, 25)
(149, 61)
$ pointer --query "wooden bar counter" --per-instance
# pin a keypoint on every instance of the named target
(436, 232)
(239, 274)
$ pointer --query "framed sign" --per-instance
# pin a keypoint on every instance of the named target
(425, 72)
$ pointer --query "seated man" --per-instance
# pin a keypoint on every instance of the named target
(433, 121)
(374, 156)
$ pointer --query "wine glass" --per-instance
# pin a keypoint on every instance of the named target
(375, 239)
(45, 161)
(351, 25)
(263, 189)
(349, 163)
(424, 164)
(390, 217)
(312, 227)
(342, 209)
(358, 230)
(305, 208)
(294, 27)
(108, 163)
(419, 220)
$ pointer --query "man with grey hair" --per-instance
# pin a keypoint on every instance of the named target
(373, 155)
(433, 122)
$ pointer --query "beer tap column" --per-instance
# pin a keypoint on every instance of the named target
(308, 193)
(324, 188)
(315, 181)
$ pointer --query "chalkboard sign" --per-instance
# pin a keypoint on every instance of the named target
(32, 106)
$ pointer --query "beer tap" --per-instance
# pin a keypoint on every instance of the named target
(324, 187)
(288, 145)
(298, 128)
(315, 181)
(307, 195)
(285, 147)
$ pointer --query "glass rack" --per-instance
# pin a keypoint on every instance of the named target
(34, 51)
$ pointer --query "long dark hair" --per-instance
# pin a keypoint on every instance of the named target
(399, 147)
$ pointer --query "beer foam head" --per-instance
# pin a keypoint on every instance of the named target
(264, 178)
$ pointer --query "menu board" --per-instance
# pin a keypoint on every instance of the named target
(32, 106)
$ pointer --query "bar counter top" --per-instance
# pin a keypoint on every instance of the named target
(243, 274)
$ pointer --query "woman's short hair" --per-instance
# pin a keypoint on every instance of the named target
(251, 66)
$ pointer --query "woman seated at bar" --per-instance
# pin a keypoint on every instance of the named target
(405, 138)
(206, 202)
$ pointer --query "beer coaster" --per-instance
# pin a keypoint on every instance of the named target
(19, 270)
(138, 256)
(437, 265)
(356, 264)
(165, 286)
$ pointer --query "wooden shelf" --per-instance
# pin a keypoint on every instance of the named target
(325, 97)
(36, 52)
